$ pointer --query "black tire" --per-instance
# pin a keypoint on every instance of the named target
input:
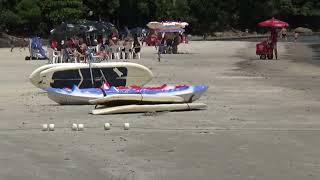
(263, 56)
(270, 56)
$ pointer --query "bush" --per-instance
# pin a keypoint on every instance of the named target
(9, 20)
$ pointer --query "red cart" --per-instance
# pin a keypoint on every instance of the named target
(264, 50)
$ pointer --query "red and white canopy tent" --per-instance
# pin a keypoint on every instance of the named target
(165, 27)
(169, 26)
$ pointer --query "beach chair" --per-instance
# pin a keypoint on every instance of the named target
(115, 52)
(94, 56)
(67, 56)
(128, 52)
(102, 58)
(54, 56)
(50, 54)
(82, 60)
(137, 54)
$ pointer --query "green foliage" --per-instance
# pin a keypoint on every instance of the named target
(8, 4)
(57, 11)
(204, 16)
(209, 15)
(102, 9)
(297, 7)
(307, 8)
(253, 11)
(8, 19)
(29, 12)
(284, 7)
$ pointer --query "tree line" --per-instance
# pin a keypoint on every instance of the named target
(37, 17)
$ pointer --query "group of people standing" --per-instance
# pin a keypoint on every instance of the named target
(168, 43)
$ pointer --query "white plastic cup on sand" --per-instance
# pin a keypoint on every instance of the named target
(51, 127)
(107, 126)
(45, 127)
(80, 127)
(74, 127)
(126, 126)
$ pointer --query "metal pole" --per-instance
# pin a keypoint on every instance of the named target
(89, 60)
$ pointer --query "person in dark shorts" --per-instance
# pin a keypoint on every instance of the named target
(136, 46)
(296, 35)
(176, 42)
(274, 40)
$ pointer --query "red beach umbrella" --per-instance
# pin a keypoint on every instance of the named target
(274, 23)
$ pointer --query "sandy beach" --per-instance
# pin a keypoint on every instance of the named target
(262, 121)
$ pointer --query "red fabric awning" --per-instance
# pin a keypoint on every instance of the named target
(273, 23)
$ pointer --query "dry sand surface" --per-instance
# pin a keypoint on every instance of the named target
(262, 122)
